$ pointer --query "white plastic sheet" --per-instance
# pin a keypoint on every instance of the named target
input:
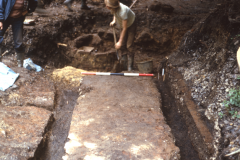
(28, 63)
(7, 77)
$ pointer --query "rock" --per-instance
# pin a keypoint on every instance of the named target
(72, 53)
(38, 93)
(236, 70)
(167, 8)
(100, 61)
(24, 128)
(41, 99)
(229, 128)
(158, 6)
(234, 20)
(14, 86)
(87, 40)
(109, 35)
(82, 40)
(145, 36)
(101, 32)
(96, 40)
(155, 6)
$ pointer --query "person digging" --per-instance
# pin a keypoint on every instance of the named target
(125, 18)
(13, 12)
(68, 3)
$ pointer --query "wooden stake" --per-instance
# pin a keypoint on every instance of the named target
(238, 59)
(232, 153)
(5, 53)
(61, 44)
(133, 4)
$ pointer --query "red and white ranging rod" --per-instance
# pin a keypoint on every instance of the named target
(117, 74)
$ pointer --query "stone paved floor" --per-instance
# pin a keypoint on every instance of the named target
(119, 118)
(21, 131)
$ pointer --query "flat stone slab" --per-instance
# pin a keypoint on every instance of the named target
(39, 93)
(119, 118)
(21, 131)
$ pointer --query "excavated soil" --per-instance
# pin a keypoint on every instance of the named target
(199, 39)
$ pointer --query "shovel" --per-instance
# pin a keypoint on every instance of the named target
(115, 41)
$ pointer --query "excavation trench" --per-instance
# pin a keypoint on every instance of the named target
(175, 120)
(52, 147)
(173, 112)
(87, 29)
(66, 100)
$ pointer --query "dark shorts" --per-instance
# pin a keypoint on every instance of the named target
(129, 38)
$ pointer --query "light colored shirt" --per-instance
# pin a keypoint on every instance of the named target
(124, 13)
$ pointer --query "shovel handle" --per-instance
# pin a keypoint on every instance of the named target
(115, 41)
(133, 4)
(114, 35)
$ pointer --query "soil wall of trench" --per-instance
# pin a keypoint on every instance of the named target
(208, 68)
(200, 48)
(158, 34)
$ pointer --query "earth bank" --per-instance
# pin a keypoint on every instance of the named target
(200, 44)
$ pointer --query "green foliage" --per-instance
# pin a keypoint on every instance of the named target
(234, 114)
(234, 98)
(236, 36)
(220, 114)
(233, 101)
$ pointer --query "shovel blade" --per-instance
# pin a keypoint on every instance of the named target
(117, 55)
